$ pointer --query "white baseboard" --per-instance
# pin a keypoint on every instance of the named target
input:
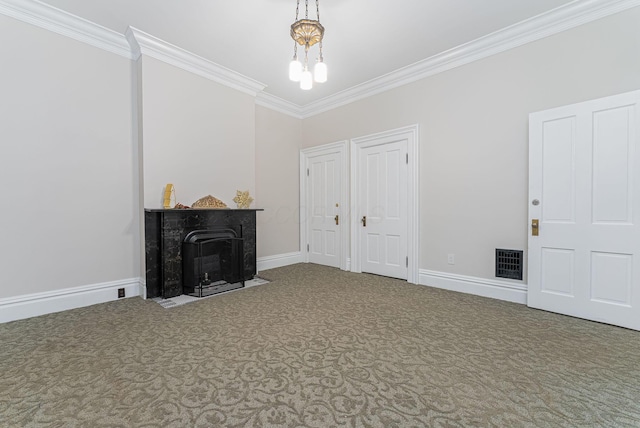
(33, 305)
(279, 260)
(142, 289)
(496, 289)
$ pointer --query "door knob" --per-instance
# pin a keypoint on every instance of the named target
(364, 221)
(535, 228)
(337, 219)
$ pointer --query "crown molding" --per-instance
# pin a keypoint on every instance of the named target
(278, 104)
(60, 22)
(131, 45)
(146, 44)
(547, 24)
(136, 43)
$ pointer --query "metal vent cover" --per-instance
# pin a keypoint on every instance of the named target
(509, 264)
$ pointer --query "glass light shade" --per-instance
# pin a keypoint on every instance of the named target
(306, 80)
(295, 70)
(320, 72)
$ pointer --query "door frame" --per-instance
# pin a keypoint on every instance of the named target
(339, 147)
(410, 133)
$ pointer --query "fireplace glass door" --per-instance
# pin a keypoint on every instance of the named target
(212, 262)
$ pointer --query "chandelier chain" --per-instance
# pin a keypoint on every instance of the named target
(307, 32)
(318, 18)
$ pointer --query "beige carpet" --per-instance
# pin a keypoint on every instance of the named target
(318, 347)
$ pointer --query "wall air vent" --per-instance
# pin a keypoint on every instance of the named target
(509, 264)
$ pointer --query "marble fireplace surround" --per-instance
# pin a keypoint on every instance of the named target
(165, 229)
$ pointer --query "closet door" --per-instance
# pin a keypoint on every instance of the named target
(584, 210)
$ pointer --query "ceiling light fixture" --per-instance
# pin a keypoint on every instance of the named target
(307, 32)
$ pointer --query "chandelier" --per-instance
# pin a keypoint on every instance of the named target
(307, 32)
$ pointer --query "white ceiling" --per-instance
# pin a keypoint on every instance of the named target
(364, 39)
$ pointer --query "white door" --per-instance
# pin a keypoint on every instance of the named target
(323, 204)
(584, 191)
(382, 199)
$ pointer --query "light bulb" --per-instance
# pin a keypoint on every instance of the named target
(306, 80)
(295, 70)
(320, 72)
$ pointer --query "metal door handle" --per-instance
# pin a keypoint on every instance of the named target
(364, 221)
(337, 219)
(535, 228)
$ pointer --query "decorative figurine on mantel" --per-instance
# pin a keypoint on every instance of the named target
(169, 199)
(169, 196)
(209, 202)
(243, 199)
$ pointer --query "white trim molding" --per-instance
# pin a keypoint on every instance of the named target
(515, 292)
(272, 102)
(58, 21)
(555, 21)
(33, 305)
(142, 289)
(146, 44)
(279, 260)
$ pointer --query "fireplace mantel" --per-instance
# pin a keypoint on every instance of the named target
(165, 229)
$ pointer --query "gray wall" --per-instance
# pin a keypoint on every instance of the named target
(66, 166)
(196, 134)
(474, 133)
(74, 182)
(277, 175)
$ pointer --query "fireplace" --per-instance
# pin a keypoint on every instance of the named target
(212, 261)
(233, 231)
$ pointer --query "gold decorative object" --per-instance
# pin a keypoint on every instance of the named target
(169, 196)
(209, 202)
(243, 199)
(307, 32)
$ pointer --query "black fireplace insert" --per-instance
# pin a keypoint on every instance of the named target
(212, 261)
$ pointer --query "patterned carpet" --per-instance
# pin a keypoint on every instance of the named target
(318, 347)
